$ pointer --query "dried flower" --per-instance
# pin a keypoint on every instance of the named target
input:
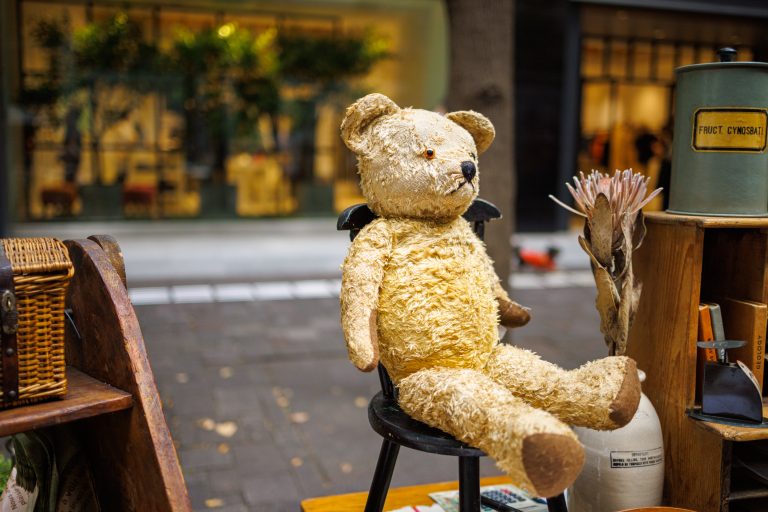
(626, 193)
(614, 228)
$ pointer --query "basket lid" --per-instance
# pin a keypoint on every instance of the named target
(37, 255)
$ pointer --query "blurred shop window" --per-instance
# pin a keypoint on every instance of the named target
(155, 111)
(627, 88)
(592, 57)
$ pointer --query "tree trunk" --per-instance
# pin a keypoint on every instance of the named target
(481, 79)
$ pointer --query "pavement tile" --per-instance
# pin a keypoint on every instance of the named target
(231, 401)
(226, 482)
(204, 457)
(183, 429)
(257, 428)
(271, 493)
(198, 405)
(224, 508)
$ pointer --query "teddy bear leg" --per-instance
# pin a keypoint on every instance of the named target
(602, 394)
(539, 452)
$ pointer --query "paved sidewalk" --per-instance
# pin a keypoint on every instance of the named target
(241, 322)
(266, 410)
(176, 252)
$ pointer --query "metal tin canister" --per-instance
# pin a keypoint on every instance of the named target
(719, 157)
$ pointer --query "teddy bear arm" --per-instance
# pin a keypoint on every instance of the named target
(362, 273)
(511, 314)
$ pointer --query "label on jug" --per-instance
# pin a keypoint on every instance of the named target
(637, 459)
(730, 129)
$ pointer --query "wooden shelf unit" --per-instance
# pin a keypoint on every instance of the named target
(112, 406)
(683, 261)
(86, 397)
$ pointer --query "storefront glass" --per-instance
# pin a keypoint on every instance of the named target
(628, 60)
(150, 111)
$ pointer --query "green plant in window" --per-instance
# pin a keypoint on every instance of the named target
(228, 80)
(320, 67)
(117, 67)
(96, 75)
(40, 92)
(328, 60)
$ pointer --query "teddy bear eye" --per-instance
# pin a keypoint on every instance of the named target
(429, 154)
(472, 155)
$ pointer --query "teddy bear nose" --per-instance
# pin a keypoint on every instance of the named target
(468, 170)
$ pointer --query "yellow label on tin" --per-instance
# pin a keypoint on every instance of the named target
(730, 129)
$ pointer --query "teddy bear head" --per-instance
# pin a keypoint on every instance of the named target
(416, 163)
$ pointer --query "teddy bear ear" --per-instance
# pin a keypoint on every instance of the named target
(478, 126)
(360, 115)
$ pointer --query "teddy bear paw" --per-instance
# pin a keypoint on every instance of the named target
(552, 462)
(624, 406)
(512, 314)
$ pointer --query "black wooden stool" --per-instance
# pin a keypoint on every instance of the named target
(396, 427)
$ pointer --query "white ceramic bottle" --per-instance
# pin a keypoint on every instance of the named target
(623, 468)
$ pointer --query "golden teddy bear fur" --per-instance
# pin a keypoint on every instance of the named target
(419, 294)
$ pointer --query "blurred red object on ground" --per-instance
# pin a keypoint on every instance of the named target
(541, 260)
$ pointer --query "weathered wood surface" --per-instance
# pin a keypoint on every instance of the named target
(115, 254)
(686, 260)
(396, 498)
(131, 452)
(708, 221)
(86, 397)
(663, 341)
(732, 433)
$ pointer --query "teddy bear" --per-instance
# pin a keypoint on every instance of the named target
(420, 295)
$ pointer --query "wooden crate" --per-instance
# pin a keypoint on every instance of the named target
(682, 262)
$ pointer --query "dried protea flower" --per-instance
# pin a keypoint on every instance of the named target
(613, 230)
(626, 193)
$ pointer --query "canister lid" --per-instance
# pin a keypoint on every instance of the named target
(721, 65)
(727, 57)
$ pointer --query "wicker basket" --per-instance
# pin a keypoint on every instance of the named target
(41, 270)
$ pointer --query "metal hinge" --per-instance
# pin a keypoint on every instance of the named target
(9, 315)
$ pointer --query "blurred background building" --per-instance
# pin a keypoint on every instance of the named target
(223, 108)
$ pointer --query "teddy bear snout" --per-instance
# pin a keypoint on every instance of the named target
(468, 169)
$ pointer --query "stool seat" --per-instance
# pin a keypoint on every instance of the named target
(392, 423)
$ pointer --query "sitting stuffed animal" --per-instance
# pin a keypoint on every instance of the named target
(419, 294)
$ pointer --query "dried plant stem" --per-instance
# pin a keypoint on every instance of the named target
(612, 207)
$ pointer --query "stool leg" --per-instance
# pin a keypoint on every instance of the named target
(383, 475)
(557, 504)
(469, 484)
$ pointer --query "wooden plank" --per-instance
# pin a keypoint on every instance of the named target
(663, 342)
(396, 498)
(748, 494)
(732, 433)
(708, 221)
(134, 462)
(113, 252)
(86, 397)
